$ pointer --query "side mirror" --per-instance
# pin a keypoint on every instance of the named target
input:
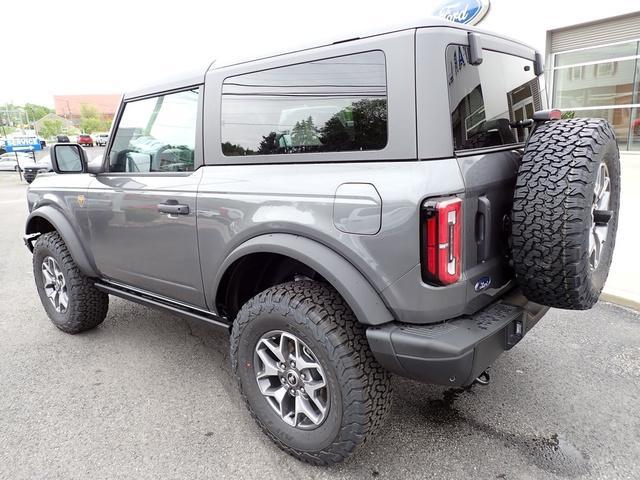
(475, 49)
(538, 65)
(68, 158)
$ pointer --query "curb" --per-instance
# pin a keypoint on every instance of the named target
(620, 300)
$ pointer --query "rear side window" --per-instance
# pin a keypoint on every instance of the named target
(156, 134)
(333, 105)
(486, 101)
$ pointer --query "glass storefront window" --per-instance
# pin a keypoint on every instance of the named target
(600, 84)
(596, 54)
(619, 118)
(606, 77)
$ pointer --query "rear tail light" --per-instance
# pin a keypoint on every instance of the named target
(442, 241)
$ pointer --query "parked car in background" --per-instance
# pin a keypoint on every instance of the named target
(100, 139)
(85, 140)
(9, 161)
(62, 139)
(31, 169)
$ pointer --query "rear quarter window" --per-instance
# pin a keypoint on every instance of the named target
(487, 100)
(330, 105)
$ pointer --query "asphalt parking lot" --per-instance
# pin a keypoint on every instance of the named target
(148, 395)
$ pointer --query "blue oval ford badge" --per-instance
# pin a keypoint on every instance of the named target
(469, 12)
(482, 284)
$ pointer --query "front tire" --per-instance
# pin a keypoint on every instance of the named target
(71, 301)
(303, 337)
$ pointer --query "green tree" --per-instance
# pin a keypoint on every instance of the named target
(269, 144)
(89, 111)
(90, 120)
(90, 124)
(363, 125)
(51, 127)
(305, 133)
(36, 112)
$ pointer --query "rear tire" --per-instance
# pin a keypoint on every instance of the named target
(554, 226)
(358, 391)
(85, 306)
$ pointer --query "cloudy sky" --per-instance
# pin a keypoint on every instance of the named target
(110, 46)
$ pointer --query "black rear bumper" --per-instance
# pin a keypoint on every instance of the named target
(457, 351)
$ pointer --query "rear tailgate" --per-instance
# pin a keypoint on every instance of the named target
(489, 184)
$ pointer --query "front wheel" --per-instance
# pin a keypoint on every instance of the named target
(306, 372)
(71, 301)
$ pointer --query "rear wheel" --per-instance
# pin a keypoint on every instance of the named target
(565, 212)
(306, 372)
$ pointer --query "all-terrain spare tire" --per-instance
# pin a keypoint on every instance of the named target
(70, 299)
(344, 393)
(565, 212)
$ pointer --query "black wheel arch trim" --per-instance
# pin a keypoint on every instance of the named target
(364, 300)
(68, 233)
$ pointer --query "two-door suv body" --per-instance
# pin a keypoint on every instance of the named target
(359, 208)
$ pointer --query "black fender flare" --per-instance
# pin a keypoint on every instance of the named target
(68, 233)
(364, 300)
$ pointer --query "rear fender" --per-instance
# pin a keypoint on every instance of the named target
(363, 299)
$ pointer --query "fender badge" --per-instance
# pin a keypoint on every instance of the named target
(81, 200)
(482, 284)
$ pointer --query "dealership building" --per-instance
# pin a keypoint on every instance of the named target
(592, 53)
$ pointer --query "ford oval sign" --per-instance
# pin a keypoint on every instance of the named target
(469, 12)
(482, 284)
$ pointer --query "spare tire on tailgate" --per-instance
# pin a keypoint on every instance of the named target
(565, 212)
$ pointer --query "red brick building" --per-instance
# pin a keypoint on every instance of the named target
(70, 106)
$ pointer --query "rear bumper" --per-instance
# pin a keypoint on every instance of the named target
(457, 351)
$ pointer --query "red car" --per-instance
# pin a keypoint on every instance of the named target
(85, 140)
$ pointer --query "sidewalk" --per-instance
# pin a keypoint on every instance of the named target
(623, 284)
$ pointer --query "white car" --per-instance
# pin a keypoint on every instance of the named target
(8, 161)
(100, 139)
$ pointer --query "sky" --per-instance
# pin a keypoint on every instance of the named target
(113, 46)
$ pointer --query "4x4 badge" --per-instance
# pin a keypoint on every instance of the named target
(81, 200)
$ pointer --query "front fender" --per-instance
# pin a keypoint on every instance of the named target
(365, 302)
(64, 227)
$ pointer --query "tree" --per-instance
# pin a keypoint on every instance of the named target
(88, 111)
(90, 124)
(231, 149)
(51, 127)
(363, 125)
(90, 120)
(269, 144)
(36, 112)
(305, 133)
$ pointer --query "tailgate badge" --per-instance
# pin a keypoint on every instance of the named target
(482, 284)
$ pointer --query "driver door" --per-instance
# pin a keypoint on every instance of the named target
(142, 211)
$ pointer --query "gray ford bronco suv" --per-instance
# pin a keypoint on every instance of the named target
(399, 202)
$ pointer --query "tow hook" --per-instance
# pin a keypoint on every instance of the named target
(483, 378)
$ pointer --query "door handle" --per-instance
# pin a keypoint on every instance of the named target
(483, 228)
(173, 207)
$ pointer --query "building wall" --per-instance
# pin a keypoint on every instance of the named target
(589, 82)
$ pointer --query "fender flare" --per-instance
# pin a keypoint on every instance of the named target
(69, 235)
(363, 299)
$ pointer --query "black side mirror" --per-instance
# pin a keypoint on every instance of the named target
(538, 65)
(475, 49)
(68, 158)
